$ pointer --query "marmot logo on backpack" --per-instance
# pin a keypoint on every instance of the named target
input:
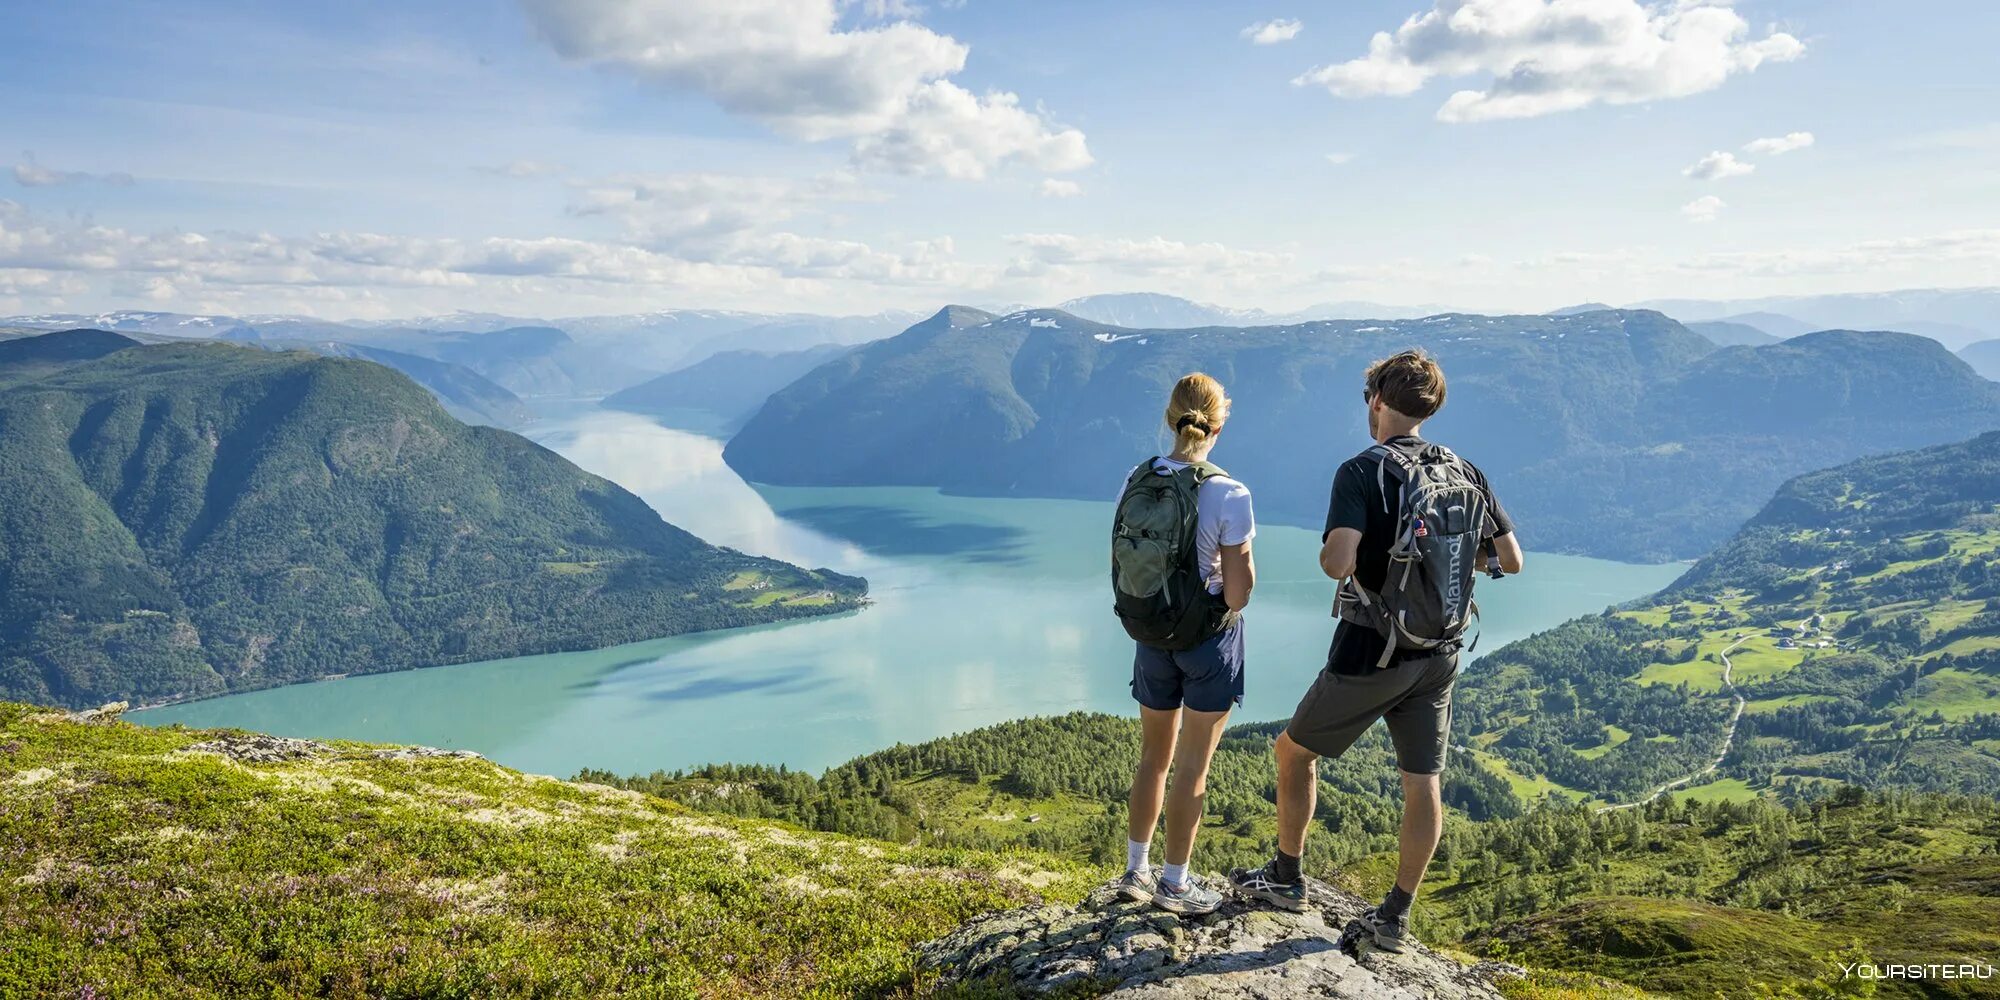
(1454, 589)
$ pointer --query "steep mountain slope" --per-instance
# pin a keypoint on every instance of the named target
(1604, 432)
(723, 390)
(1852, 624)
(189, 519)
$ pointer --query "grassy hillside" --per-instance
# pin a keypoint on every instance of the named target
(189, 519)
(1857, 617)
(175, 863)
(1675, 897)
(1605, 433)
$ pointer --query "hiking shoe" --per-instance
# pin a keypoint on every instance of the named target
(1137, 886)
(1191, 899)
(1390, 935)
(1261, 884)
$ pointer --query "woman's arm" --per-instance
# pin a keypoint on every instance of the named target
(1239, 575)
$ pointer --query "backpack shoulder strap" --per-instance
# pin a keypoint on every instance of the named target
(1390, 461)
(1205, 471)
(1145, 469)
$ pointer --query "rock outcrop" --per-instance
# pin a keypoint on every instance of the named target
(1243, 951)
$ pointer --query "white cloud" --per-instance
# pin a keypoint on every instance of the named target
(792, 65)
(1703, 209)
(228, 267)
(1053, 188)
(1545, 56)
(1718, 165)
(1274, 31)
(1340, 159)
(701, 214)
(950, 132)
(29, 173)
(525, 169)
(1780, 144)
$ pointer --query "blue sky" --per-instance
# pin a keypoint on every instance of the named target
(555, 157)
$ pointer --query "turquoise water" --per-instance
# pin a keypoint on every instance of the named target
(985, 610)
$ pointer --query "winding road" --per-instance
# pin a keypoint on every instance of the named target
(1728, 738)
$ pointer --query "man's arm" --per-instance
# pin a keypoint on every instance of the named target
(1336, 555)
(1507, 549)
(1346, 517)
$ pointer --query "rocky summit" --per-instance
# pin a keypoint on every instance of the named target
(1243, 951)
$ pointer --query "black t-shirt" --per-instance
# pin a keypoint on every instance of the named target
(1358, 503)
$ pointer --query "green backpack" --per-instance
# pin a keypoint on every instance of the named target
(1157, 589)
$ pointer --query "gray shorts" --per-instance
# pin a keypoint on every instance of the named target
(1413, 697)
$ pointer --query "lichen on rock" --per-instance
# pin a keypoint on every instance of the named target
(1244, 951)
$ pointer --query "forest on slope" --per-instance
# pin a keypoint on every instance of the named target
(195, 518)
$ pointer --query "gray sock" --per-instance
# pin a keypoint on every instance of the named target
(1395, 905)
(1285, 867)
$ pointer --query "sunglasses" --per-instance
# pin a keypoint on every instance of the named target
(1368, 396)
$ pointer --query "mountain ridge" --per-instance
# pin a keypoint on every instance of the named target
(1598, 444)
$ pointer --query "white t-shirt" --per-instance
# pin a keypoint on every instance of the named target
(1222, 517)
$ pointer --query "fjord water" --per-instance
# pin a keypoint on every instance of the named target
(985, 610)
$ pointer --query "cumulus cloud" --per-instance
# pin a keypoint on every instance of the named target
(1273, 31)
(1545, 56)
(700, 214)
(225, 266)
(1703, 209)
(793, 65)
(1053, 188)
(29, 173)
(1718, 165)
(1779, 144)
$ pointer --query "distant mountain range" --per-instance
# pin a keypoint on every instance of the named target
(1153, 311)
(1613, 433)
(574, 356)
(1984, 357)
(1953, 317)
(187, 519)
(720, 392)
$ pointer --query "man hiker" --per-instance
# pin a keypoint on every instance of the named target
(1408, 524)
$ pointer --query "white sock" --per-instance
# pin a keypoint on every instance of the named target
(1173, 874)
(1135, 855)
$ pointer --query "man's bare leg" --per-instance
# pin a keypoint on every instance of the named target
(1298, 786)
(1423, 826)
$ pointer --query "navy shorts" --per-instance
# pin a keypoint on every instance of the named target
(1207, 678)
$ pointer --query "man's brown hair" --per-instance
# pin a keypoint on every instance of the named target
(1411, 383)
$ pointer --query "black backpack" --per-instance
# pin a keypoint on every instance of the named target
(1426, 603)
(1157, 590)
